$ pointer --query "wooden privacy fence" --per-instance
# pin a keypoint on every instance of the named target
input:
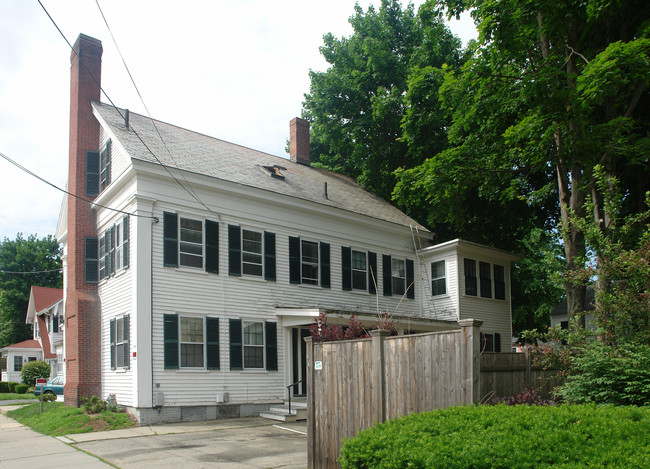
(354, 384)
(507, 374)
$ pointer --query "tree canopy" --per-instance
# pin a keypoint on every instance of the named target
(23, 263)
(499, 143)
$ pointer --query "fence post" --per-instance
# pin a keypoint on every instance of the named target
(311, 410)
(378, 374)
(471, 330)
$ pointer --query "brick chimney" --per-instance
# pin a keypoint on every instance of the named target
(82, 306)
(299, 141)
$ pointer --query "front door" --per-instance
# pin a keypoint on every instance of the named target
(299, 360)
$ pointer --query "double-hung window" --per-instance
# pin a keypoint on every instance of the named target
(190, 342)
(120, 340)
(485, 271)
(359, 270)
(252, 253)
(18, 362)
(105, 166)
(114, 249)
(253, 345)
(190, 247)
(470, 277)
(398, 276)
(309, 262)
(499, 282)
(438, 278)
(190, 242)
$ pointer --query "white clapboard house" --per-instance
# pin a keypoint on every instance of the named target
(192, 301)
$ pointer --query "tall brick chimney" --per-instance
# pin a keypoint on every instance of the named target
(299, 141)
(82, 306)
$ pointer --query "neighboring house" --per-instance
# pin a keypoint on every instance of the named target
(45, 313)
(560, 317)
(17, 355)
(192, 277)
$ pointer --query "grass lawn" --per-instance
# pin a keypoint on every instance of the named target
(10, 396)
(57, 419)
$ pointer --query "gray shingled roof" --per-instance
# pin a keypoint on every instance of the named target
(198, 153)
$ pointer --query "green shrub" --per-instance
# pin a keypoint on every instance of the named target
(93, 405)
(21, 389)
(608, 375)
(33, 370)
(12, 386)
(4, 387)
(49, 397)
(506, 436)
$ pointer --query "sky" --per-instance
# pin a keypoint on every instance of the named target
(232, 69)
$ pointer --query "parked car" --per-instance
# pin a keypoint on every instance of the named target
(53, 386)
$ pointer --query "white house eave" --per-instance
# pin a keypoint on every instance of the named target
(252, 192)
(468, 246)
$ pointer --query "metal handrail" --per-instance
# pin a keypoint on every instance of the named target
(289, 391)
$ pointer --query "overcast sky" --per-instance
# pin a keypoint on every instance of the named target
(235, 70)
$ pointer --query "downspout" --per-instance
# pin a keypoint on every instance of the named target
(153, 222)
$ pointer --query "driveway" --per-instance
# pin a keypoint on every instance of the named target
(236, 443)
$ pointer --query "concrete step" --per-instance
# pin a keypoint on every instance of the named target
(281, 412)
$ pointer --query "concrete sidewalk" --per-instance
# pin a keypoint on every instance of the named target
(230, 443)
(21, 447)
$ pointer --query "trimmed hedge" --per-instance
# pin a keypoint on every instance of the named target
(21, 388)
(12, 386)
(4, 387)
(506, 436)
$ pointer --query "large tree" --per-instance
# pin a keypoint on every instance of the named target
(23, 263)
(553, 90)
(356, 107)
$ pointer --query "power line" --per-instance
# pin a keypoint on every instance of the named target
(35, 272)
(188, 188)
(18, 165)
(194, 196)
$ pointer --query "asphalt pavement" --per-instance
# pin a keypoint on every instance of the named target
(230, 444)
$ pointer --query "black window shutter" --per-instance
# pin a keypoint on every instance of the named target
(410, 279)
(125, 241)
(108, 162)
(111, 237)
(212, 246)
(271, 333)
(113, 345)
(497, 342)
(387, 274)
(236, 349)
(92, 173)
(212, 339)
(170, 239)
(234, 250)
(170, 339)
(126, 339)
(346, 268)
(92, 266)
(372, 272)
(269, 256)
(107, 253)
(325, 265)
(294, 260)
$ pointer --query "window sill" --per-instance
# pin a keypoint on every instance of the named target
(253, 278)
(121, 370)
(481, 298)
(191, 270)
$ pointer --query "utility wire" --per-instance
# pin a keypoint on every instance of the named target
(36, 272)
(18, 165)
(122, 116)
(153, 122)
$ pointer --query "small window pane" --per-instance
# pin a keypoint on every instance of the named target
(191, 329)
